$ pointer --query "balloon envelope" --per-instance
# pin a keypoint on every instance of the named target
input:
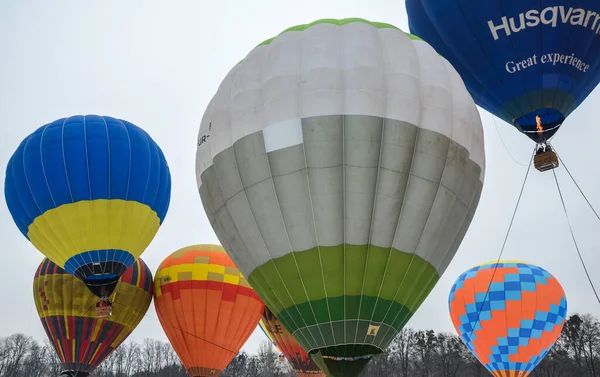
(206, 307)
(90, 193)
(66, 309)
(286, 344)
(340, 165)
(520, 59)
(519, 320)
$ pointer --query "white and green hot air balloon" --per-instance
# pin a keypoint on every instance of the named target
(340, 165)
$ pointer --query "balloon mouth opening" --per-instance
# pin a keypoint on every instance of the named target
(541, 124)
(102, 286)
(344, 361)
(203, 372)
(73, 373)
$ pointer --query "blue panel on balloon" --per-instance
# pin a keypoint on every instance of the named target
(85, 158)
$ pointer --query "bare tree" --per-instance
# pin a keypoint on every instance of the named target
(238, 367)
(51, 360)
(117, 362)
(425, 347)
(33, 364)
(267, 360)
(449, 354)
(401, 347)
(581, 338)
(131, 359)
(13, 350)
(413, 353)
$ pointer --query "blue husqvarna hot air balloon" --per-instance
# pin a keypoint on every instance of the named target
(90, 193)
(528, 62)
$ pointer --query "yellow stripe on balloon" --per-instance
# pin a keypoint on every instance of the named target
(499, 262)
(261, 323)
(94, 354)
(60, 352)
(97, 328)
(74, 228)
(202, 272)
(82, 302)
(231, 279)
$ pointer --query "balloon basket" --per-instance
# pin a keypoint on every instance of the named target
(545, 161)
(103, 311)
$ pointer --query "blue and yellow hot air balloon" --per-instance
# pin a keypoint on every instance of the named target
(509, 314)
(528, 62)
(90, 193)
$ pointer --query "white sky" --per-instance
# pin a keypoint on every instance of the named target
(158, 63)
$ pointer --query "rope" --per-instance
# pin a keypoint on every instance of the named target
(504, 145)
(503, 246)
(573, 236)
(577, 185)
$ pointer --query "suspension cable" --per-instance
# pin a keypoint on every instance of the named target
(573, 237)
(577, 185)
(504, 144)
(503, 245)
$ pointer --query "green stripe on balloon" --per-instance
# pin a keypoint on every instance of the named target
(295, 285)
(339, 22)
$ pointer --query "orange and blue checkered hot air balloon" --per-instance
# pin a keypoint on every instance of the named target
(511, 328)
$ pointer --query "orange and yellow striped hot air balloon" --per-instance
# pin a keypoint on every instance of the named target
(206, 307)
(288, 346)
(509, 314)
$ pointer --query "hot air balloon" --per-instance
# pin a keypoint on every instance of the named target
(206, 307)
(514, 325)
(528, 62)
(340, 165)
(66, 309)
(288, 346)
(90, 193)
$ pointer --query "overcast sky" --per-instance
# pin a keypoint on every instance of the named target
(158, 63)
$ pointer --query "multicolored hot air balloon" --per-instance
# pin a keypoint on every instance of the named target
(206, 307)
(528, 62)
(286, 344)
(66, 309)
(511, 328)
(90, 193)
(340, 165)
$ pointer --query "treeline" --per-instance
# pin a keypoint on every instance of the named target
(412, 354)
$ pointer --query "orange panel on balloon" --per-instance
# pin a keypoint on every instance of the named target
(206, 307)
(286, 344)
